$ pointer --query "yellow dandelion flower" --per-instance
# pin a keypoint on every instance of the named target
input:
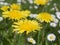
(14, 14)
(44, 17)
(26, 26)
(15, 7)
(5, 8)
(40, 2)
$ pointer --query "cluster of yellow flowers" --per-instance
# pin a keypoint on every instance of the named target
(24, 25)
(14, 12)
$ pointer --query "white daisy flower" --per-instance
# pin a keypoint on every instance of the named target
(54, 4)
(50, 0)
(58, 15)
(23, 1)
(30, 1)
(52, 24)
(52, 8)
(59, 31)
(56, 20)
(48, 4)
(53, 15)
(31, 40)
(33, 15)
(51, 37)
(36, 7)
(2, 3)
(6, 3)
(18, 0)
(1, 18)
(30, 7)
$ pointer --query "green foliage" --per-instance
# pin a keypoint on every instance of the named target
(7, 37)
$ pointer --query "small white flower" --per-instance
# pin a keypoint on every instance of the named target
(18, 0)
(52, 24)
(50, 0)
(30, 7)
(2, 3)
(31, 40)
(54, 4)
(59, 31)
(58, 15)
(51, 37)
(33, 15)
(35, 7)
(1, 18)
(48, 3)
(30, 1)
(6, 3)
(56, 20)
(53, 8)
(23, 1)
(53, 15)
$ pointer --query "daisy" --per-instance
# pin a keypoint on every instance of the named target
(1, 18)
(36, 7)
(33, 15)
(58, 15)
(55, 20)
(51, 37)
(30, 1)
(59, 31)
(52, 24)
(31, 40)
(19, 1)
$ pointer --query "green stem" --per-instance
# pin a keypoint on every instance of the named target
(38, 38)
(52, 43)
(43, 34)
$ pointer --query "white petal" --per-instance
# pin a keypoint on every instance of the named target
(1, 18)
(34, 42)
(56, 20)
(1, 2)
(30, 1)
(35, 7)
(52, 24)
(33, 15)
(59, 31)
(18, 0)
